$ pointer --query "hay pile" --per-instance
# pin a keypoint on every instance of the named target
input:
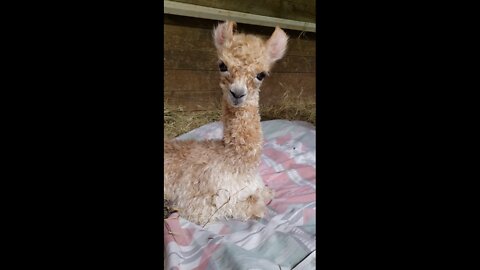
(177, 121)
(291, 108)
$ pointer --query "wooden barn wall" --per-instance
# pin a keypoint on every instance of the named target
(297, 10)
(191, 77)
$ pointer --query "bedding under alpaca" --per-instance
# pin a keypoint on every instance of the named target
(284, 238)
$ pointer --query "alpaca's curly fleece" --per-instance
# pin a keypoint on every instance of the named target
(208, 180)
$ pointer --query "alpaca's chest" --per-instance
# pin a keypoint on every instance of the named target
(220, 181)
(235, 181)
(234, 187)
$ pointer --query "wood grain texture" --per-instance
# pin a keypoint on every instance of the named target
(300, 10)
(208, 61)
(197, 11)
(194, 100)
(195, 90)
(198, 39)
(300, 85)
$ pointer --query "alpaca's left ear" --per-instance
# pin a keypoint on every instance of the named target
(277, 45)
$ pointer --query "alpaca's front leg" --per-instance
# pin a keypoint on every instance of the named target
(264, 192)
(256, 206)
(267, 194)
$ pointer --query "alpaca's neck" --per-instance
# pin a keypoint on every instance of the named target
(242, 131)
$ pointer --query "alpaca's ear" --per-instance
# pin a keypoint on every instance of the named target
(223, 32)
(277, 44)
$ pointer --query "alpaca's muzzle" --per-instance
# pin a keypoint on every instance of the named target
(238, 95)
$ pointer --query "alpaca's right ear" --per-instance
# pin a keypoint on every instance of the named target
(223, 33)
(277, 45)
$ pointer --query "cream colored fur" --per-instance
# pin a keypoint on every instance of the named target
(213, 179)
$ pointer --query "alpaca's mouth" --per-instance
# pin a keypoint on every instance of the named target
(237, 101)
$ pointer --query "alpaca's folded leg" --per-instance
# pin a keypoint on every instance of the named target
(253, 207)
(257, 206)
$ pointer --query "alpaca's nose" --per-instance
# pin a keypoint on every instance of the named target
(238, 93)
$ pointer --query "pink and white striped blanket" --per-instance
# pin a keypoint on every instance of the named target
(285, 238)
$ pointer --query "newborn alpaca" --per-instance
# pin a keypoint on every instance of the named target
(212, 179)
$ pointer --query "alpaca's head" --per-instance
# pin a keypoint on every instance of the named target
(244, 61)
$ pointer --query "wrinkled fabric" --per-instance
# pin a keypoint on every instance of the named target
(285, 238)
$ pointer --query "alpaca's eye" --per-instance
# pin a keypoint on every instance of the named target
(260, 76)
(222, 67)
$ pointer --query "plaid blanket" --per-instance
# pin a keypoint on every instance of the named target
(285, 238)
